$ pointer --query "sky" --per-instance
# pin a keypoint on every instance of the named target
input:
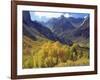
(44, 16)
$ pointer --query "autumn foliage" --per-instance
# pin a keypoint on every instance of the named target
(53, 54)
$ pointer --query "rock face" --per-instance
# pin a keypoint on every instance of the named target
(33, 29)
(83, 30)
(60, 24)
(61, 29)
(69, 28)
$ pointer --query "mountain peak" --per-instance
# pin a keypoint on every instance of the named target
(62, 16)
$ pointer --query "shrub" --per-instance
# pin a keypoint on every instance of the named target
(50, 54)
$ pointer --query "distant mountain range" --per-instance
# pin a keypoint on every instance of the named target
(83, 30)
(62, 29)
(59, 24)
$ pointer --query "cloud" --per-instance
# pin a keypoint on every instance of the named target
(67, 15)
(44, 16)
(47, 14)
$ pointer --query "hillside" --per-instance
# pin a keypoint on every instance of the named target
(46, 53)
(57, 43)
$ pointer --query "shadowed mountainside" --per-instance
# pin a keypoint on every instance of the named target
(34, 29)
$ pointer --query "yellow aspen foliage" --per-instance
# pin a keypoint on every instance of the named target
(47, 53)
